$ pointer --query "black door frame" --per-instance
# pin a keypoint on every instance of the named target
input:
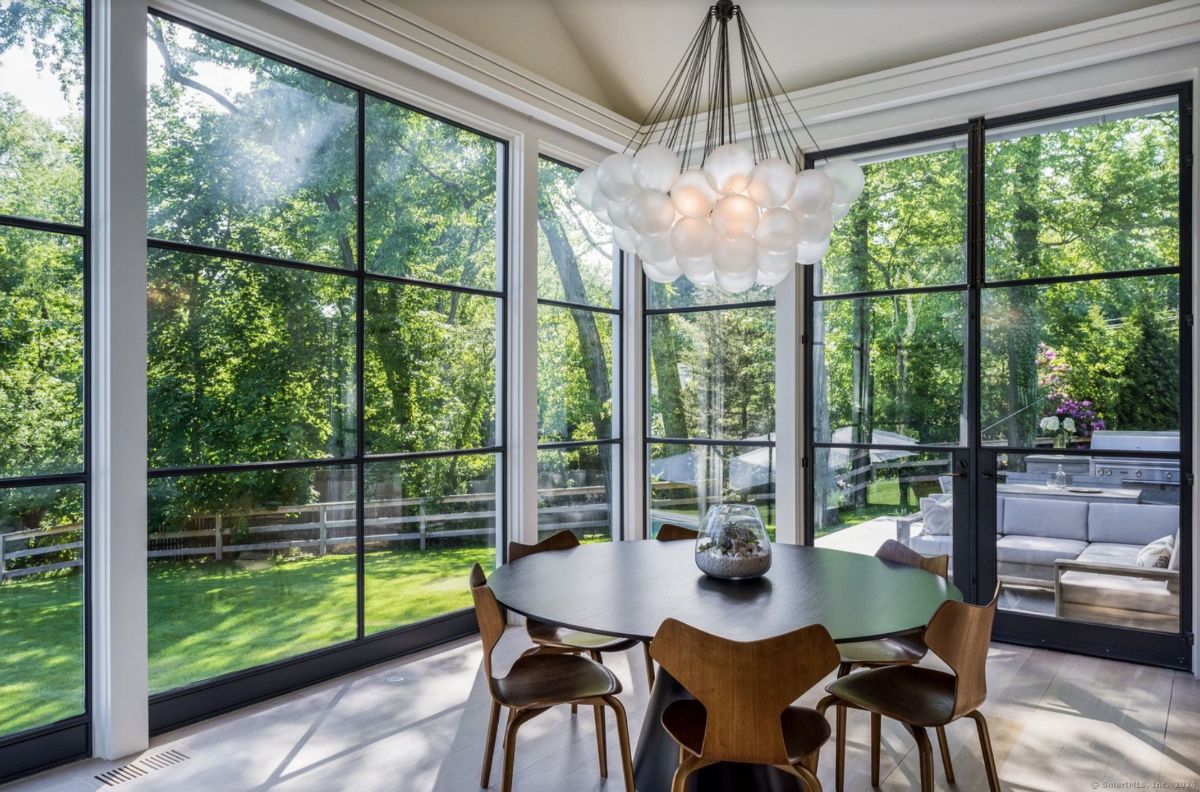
(975, 567)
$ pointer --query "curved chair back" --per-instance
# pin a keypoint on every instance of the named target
(668, 532)
(563, 540)
(891, 550)
(961, 634)
(745, 687)
(490, 618)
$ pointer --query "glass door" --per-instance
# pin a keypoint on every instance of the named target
(1082, 368)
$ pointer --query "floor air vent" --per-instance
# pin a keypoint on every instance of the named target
(141, 767)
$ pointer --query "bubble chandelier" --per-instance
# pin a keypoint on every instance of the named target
(748, 212)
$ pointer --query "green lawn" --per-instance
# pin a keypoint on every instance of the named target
(208, 619)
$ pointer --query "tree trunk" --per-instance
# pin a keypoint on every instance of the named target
(862, 384)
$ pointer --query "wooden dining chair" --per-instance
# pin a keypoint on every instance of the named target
(898, 650)
(550, 638)
(537, 682)
(923, 698)
(743, 709)
(669, 532)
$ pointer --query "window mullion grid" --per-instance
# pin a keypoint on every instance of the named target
(360, 482)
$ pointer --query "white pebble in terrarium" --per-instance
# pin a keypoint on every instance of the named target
(733, 543)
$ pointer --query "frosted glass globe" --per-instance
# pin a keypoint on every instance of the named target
(728, 168)
(655, 249)
(651, 212)
(618, 214)
(813, 194)
(840, 210)
(692, 238)
(776, 262)
(848, 179)
(771, 278)
(663, 272)
(772, 183)
(705, 280)
(697, 269)
(615, 177)
(655, 167)
(778, 231)
(811, 254)
(601, 212)
(692, 194)
(625, 238)
(735, 216)
(585, 186)
(814, 228)
(739, 254)
(736, 282)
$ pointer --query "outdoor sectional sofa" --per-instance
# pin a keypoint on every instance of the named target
(1086, 553)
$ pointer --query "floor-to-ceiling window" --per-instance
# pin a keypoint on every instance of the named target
(326, 305)
(43, 439)
(889, 313)
(710, 435)
(1001, 368)
(579, 363)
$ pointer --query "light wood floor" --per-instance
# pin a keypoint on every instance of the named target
(1059, 722)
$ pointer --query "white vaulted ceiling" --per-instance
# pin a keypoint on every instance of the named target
(618, 53)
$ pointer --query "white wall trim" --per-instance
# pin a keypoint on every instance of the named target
(522, 352)
(117, 519)
(789, 409)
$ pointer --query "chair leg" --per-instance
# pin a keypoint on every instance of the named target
(944, 746)
(515, 720)
(876, 728)
(490, 745)
(840, 753)
(601, 741)
(649, 664)
(925, 750)
(623, 740)
(985, 745)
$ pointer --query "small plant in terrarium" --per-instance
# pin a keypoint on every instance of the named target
(733, 543)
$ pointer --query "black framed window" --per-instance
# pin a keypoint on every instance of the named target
(326, 313)
(710, 391)
(579, 364)
(44, 525)
(1018, 393)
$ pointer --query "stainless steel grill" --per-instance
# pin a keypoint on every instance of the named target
(1134, 470)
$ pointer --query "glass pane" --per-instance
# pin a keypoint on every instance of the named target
(862, 498)
(433, 204)
(1094, 539)
(428, 522)
(247, 154)
(577, 262)
(682, 293)
(908, 229)
(430, 371)
(575, 373)
(1092, 194)
(41, 110)
(713, 374)
(247, 362)
(248, 568)
(41, 606)
(889, 370)
(1104, 354)
(576, 491)
(686, 480)
(41, 353)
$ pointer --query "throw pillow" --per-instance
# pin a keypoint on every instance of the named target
(1157, 554)
(938, 515)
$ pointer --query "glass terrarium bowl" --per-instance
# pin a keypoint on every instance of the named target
(733, 543)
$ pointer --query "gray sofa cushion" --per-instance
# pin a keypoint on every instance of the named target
(1131, 523)
(1111, 553)
(932, 544)
(1036, 550)
(1044, 518)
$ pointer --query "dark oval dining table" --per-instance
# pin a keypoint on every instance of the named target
(628, 589)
